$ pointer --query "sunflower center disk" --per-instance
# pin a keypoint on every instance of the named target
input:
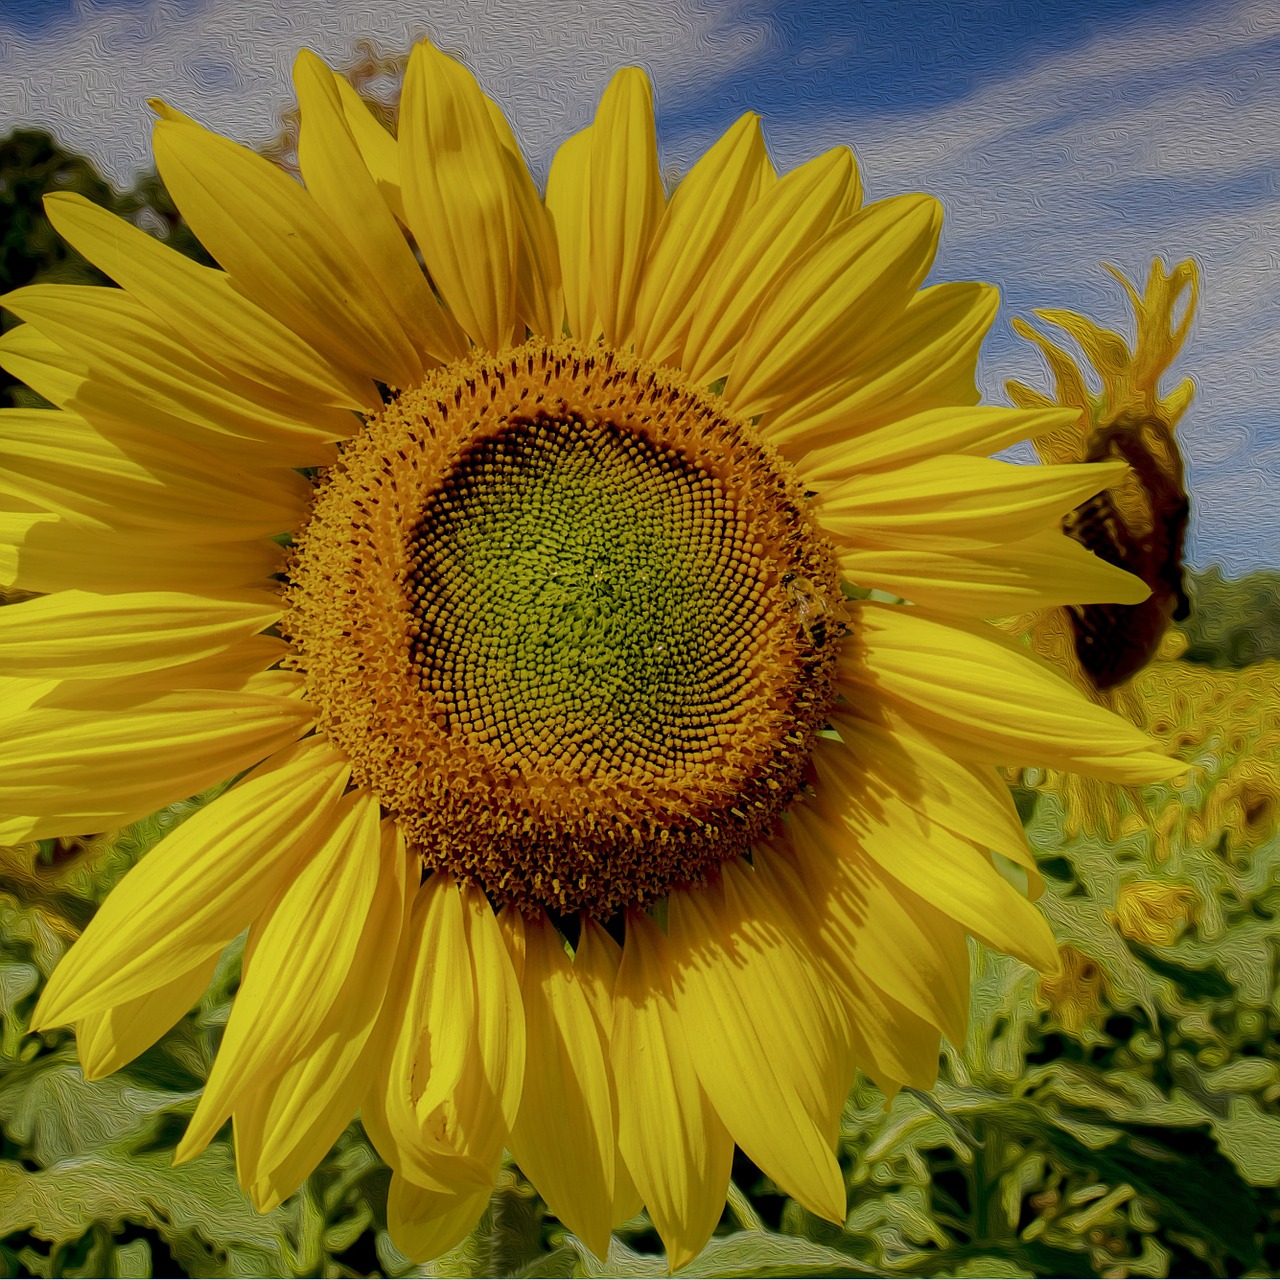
(548, 603)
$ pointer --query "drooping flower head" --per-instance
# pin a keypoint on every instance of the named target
(1138, 524)
(591, 807)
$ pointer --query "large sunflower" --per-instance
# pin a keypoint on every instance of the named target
(592, 809)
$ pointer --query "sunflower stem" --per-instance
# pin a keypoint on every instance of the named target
(742, 1209)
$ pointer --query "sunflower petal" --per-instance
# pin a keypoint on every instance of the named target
(915, 954)
(458, 195)
(956, 429)
(108, 1039)
(786, 223)
(283, 252)
(42, 552)
(58, 461)
(315, 1098)
(626, 200)
(596, 961)
(200, 303)
(60, 759)
(833, 302)
(926, 359)
(423, 1223)
(668, 1131)
(1038, 572)
(563, 1136)
(75, 633)
(339, 183)
(862, 790)
(717, 194)
(759, 1029)
(568, 206)
(995, 703)
(959, 501)
(378, 148)
(199, 887)
(141, 379)
(304, 955)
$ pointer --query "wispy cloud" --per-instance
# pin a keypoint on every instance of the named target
(228, 61)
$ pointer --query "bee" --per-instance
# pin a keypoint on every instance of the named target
(811, 608)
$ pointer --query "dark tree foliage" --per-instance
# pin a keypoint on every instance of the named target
(1234, 622)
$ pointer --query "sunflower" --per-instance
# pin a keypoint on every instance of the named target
(587, 806)
(1138, 524)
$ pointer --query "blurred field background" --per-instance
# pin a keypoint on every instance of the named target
(1119, 1120)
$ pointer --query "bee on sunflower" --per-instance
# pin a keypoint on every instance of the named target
(580, 812)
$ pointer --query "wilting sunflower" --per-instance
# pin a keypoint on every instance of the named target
(584, 811)
(1138, 524)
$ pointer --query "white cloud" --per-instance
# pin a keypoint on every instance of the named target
(228, 62)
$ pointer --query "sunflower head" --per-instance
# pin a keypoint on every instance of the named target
(616, 739)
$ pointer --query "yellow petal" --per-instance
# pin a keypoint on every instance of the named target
(668, 1131)
(57, 760)
(224, 326)
(423, 1223)
(199, 887)
(458, 195)
(43, 552)
(891, 1044)
(283, 252)
(563, 1136)
(303, 957)
(539, 295)
(786, 223)
(925, 359)
(108, 1039)
(568, 197)
(912, 952)
(596, 962)
(378, 148)
(60, 462)
(992, 699)
(626, 200)
(860, 790)
(75, 633)
(952, 430)
(717, 194)
(432, 1035)
(339, 183)
(960, 501)
(833, 302)
(758, 1023)
(304, 1110)
(1069, 381)
(1046, 569)
(130, 369)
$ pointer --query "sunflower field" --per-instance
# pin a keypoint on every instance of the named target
(1118, 1120)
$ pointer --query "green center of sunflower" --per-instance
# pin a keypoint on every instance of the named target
(570, 621)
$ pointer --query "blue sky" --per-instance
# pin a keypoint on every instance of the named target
(1058, 134)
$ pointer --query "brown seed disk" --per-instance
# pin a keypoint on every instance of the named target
(571, 622)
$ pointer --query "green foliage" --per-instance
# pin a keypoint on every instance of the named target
(1234, 621)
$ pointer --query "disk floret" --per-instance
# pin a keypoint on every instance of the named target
(546, 603)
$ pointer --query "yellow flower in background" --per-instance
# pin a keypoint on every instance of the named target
(1138, 523)
(587, 811)
(1155, 911)
(1076, 993)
